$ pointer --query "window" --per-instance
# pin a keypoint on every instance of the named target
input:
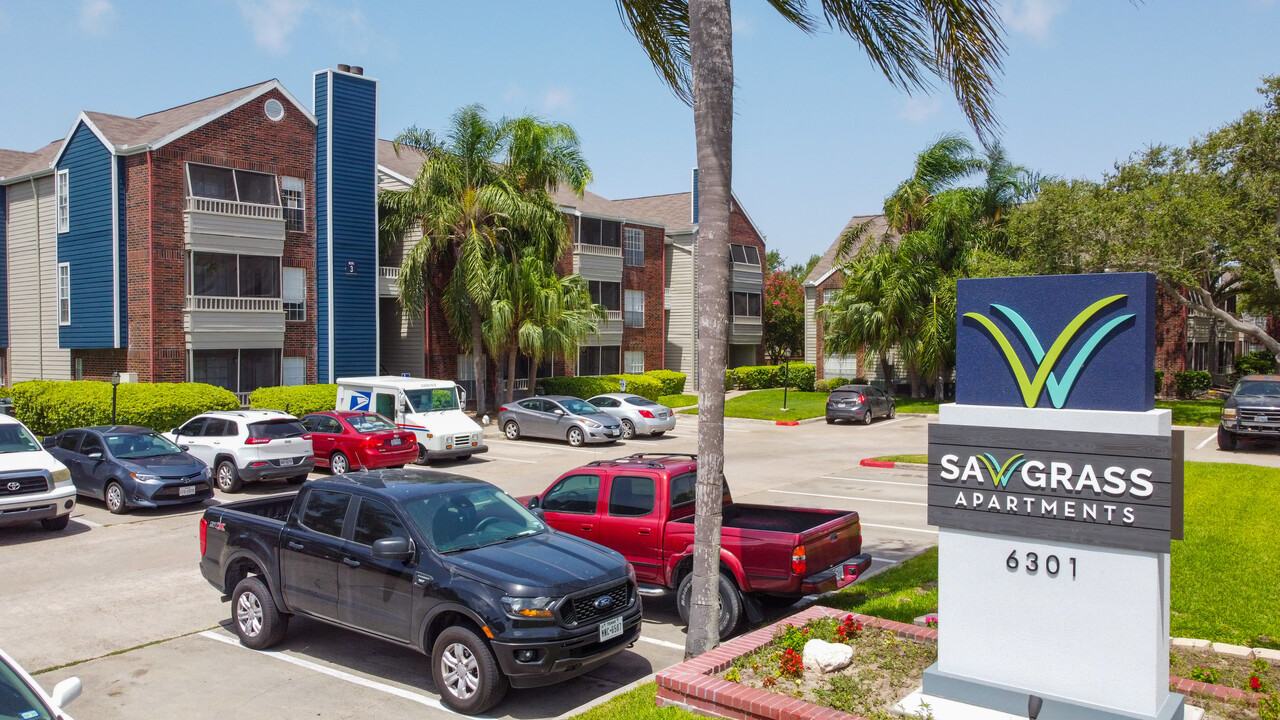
(376, 521)
(63, 191)
(746, 304)
(594, 231)
(604, 402)
(219, 183)
(684, 492)
(634, 315)
(324, 511)
(608, 294)
(634, 362)
(295, 294)
(631, 496)
(574, 494)
(69, 440)
(633, 250)
(259, 276)
(532, 404)
(195, 428)
(226, 275)
(745, 254)
(293, 191)
(239, 371)
(259, 368)
(599, 360)
(294, 371)
(64, 293)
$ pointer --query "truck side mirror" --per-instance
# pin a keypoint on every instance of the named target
(462, 397)
(393, 548)
(533, 502)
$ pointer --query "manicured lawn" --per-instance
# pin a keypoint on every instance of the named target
(921, 459)
(916, 405)
(764, 404)
(1196, 413)
(678, 401)
(637, 704)
(1225, 573)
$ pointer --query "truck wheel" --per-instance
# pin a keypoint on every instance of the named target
(56, 524)
(338, 464)
(465, 672)
(512, 430)
(254, 615)
(730, 603)
(227, 477)
(115, 498)
(1226, 439)
(463, 458)
(628, 430)
(576, 437)
(422, 455)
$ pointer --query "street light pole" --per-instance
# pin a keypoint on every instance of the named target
(115, 385)
(786, 376)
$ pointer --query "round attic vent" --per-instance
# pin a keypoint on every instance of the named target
(274, 110)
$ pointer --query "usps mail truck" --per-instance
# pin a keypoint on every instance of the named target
(431, 409)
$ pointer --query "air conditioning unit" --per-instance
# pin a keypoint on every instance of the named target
(128, 377)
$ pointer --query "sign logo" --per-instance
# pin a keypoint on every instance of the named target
(360, 400)
(1000, 478)
(1044, 377)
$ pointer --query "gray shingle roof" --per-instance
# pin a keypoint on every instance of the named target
(673, 211)
(15, 162)
(879, 228)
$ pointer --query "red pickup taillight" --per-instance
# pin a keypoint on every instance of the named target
(797, 560)
(256, 441)
(204, 536)
(646, 414)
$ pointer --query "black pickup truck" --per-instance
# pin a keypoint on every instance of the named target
(450, 566)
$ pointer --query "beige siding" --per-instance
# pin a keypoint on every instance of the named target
(680, 310)
(605, 268)
(745, 331)
(33, 286)
(811, 325)
(388, 182)
(232, 329)
(214, 232)
(403, 341)
(746, 278)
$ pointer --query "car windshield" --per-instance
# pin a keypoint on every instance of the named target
(136, 446)
(17, 699)
(276, 429)
(370, 423)
(1258, 388)
(643, 402)
(579, 407)
(432, 399)
(470, 518)
(15, 438)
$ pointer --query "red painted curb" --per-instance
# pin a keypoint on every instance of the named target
(867, 462)
(787, 422)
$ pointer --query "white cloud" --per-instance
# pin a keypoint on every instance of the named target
(96, 16)
(273, 21)
(557, 99)
(1031, 17)
(917, 109)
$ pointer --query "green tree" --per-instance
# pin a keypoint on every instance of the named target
(783, 315)
(690, 43)
(483, 194)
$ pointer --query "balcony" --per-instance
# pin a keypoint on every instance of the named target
(745, 277)
(610, 330)
(745, 330)
(597, 262)
(226, 226)
(388, 281)
(225, 323)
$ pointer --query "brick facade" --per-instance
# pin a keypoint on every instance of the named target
(1171, 337)
(651, 339)
(98, 364)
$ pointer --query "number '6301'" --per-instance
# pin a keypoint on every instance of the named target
(1033, 564)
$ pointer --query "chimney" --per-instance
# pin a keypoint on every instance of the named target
(357, 70)
(343, 67)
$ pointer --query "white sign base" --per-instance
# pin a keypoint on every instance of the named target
(918, 705)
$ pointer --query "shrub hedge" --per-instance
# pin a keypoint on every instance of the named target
(672, 381)
(758, 377)
(835, 382)
(1159, 382)
(295, 399)
(590, 385)
(49, 407)
(1258, 362)
(1192, 382)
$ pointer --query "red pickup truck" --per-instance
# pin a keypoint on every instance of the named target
(642, 506)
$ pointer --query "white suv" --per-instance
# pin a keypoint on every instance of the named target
(33, 484)
(250, 445)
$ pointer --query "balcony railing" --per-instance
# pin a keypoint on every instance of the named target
(235, 304)
(237, 209)
(605, 250)
(614, 315)
(390, 272)
(746, 320)
(243, 398)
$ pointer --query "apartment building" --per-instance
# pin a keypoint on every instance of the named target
(233, 240)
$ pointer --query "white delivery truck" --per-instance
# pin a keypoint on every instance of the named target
(431, 409)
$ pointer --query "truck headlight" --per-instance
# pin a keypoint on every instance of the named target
(538, 607)
(61, 475)
(1228, 413)
(145, 478)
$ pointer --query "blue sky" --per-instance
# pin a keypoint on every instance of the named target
(819, 136)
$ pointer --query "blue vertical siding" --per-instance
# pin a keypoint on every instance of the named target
(347, 122)
(87, 246)
(4, 270)
(122, 291)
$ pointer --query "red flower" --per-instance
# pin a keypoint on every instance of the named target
(1255, 683)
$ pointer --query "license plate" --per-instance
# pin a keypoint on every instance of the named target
(612, 432)
(610, 629)
(1262, 418)
(286, 461)
(187, 490)
(397, 441)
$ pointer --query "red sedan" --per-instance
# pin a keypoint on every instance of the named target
(344, 440)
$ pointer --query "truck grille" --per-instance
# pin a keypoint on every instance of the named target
(1253, 415)
(582, 608)
(23, 485)
(462, 439)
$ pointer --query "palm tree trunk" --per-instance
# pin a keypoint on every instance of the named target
(711, 45)
(533, 374)
(477, 359)
(511, 374)
(914, 378)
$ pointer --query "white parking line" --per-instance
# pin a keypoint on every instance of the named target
(899, 527)
(86, 521)
(661, 643)
(881, 482)
(850, 497)
(885, 560)
(340, 675)
(499, 457)
(889, 422)
(1206, 440)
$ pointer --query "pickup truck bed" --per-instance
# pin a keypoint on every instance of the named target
(772, 519)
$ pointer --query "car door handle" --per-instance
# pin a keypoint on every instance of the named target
(644, 531)
(294, 545)
(587, 527)
(351, 562)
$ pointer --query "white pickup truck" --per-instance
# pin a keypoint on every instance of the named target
(33, 484)
(431, 409)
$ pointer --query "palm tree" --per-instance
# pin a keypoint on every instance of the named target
(946, 160)
(690, 43)
(482, 194)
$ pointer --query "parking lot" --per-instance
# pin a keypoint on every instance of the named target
(121, 596)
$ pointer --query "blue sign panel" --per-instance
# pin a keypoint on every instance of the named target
(1062, 341)
(359, 400)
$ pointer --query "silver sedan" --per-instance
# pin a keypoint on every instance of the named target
(639, 415)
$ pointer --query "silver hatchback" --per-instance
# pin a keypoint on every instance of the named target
(638, 415)
(558, 417)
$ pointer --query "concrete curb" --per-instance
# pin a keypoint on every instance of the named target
(868, 462)
(787, 423)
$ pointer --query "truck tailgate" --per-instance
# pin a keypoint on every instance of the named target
(833, 541)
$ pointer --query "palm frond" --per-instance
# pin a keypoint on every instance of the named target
(662, 28)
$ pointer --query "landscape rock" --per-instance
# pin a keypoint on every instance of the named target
(827, 657)
(1190, 643)
(1267, 654)
(1239, 651)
